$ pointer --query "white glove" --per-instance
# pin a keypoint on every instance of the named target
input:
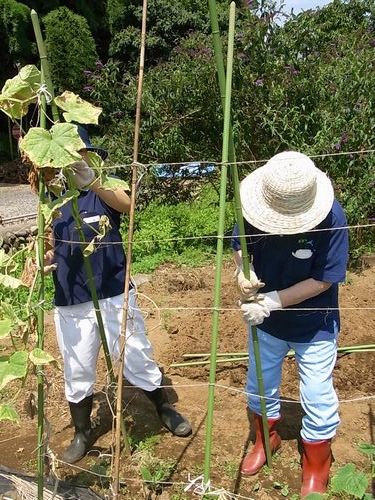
(261, 307)
(247, 287)
(83, 175)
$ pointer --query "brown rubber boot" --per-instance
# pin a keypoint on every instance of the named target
(316, 463)
(255, 460)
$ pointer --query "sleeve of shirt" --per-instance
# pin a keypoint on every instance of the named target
(235, 241)
(332, 255)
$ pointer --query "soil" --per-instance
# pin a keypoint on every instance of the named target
(174, 333)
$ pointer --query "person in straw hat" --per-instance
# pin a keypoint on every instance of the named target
(297, 237)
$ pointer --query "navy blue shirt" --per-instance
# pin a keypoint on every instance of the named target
(283, 261)
(108, 261)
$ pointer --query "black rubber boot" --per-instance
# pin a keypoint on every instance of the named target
(80, 413)
(171, 418)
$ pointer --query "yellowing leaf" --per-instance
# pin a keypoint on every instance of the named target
(104, 226)
(48, 209)
(77, 109)
(19, 92)
(56, 148)
(40, 357)
(7, 412)
(113, 183)
(6, 326)
(9, 281)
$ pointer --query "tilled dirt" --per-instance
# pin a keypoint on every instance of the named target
(177, 304)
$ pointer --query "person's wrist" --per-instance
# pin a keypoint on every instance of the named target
(273, 300)
(95, 185)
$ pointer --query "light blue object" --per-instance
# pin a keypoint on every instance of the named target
(188, 171)
(315, 362)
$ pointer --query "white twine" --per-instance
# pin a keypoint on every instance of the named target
(244, 162)
(43, 90)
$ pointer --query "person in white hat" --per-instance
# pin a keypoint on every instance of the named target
(296, 234)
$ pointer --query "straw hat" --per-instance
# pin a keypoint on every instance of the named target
(288, 195)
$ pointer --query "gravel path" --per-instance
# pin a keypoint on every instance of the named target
(16, 200)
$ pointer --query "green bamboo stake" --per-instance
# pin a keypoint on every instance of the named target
(219, 250)
(364, 348)
(239, 219)
(44, 63)
(40, 320)
(245, 357)
(10, 139)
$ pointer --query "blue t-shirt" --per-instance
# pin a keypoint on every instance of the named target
(108, 261)
(283, 261)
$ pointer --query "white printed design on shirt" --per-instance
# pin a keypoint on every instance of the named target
(302, 253)
(89, 220)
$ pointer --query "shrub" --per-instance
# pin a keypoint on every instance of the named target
(71, 48)
(15, 25)
(184, 233)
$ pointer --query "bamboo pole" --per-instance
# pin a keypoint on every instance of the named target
(364, 348)
(222, 357)
(10, 139)
(41, 291)
(44, 63)
(40, 317)
(129, 253)
(219, 59)
(219, 249)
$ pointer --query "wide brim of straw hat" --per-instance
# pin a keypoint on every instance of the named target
(262, 216)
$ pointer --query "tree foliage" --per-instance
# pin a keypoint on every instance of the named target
(15, 47)
(70, 46)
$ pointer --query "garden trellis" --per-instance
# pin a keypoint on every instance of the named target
(228, 160)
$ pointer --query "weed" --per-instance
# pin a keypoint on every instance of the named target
(282, 487)
(230, 469)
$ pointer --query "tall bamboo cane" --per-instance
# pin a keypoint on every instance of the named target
(40, 263)
(129, 251)
(220, 239)
(219, 59)
(44, 64)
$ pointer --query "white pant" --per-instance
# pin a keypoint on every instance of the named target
(79, 342)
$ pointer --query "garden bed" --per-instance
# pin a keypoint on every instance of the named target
(174, 333)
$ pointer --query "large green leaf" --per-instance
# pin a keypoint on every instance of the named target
(56, 148)
(349, 480)
(13, 367)
(6, 326)
(10, 282)
(40, 357)
(20, 91)
(7, 412)
(48, 209)
(77, 109)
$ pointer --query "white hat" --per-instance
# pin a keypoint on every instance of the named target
(288, 195)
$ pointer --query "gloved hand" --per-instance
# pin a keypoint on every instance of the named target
(247, 287)
(261, 307)
(83, 175)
